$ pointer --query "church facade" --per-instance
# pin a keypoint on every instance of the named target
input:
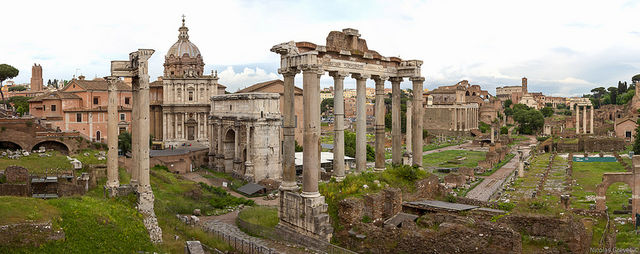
(185, 94)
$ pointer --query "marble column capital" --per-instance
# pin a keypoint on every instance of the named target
(289, 72)
(338, 74)
(312, 68)
(358, 76)
(396, 79)
(417, 79)
(380, 79)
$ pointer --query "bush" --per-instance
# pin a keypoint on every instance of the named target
(504, 130)
(484, 127)
(408, 173)
(366, 219)
(222, 199)
(506, 206)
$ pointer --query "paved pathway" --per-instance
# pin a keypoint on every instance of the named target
(464, 146)
(492, 183)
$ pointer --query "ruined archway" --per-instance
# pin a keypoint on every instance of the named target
(52, 145)
(229, 150)
(8, 145)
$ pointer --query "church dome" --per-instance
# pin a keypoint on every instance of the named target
(183, 45)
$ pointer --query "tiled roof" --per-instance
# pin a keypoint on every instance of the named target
(99, 85)
(55, 96)
(258, 86)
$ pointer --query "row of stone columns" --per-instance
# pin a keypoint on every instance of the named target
(584, 119)
(311, 123)
(464, 119)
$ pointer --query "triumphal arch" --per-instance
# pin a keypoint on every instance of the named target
(345, 54)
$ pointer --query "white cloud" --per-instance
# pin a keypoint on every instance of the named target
(239, 80)
(492, 43)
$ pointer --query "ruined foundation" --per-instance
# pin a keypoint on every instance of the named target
(304, 220)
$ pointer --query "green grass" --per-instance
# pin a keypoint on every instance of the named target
(92, 225)
(15, 210)
(260, 215)
(91, 159)
(403, 177)
(450, 159)
(588, 175)
(37, 164)
(434, 146)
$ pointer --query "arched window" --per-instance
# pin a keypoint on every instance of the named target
(98, 137)
(190, 95)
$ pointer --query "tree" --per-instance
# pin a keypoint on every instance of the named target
(635, 78)
(124, 142)
(636, 138)
(530, 120)
(326, 104)
(547, 111)
(622, 87)
(6, 72)
(613, 93)
(484, 127)
(508, 103)
(350, 146)
(298, 147)
(17, 88)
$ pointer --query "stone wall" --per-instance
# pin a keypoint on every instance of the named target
(9, 189)
(16, 174)
(567, 229)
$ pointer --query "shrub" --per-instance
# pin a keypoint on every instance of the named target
(366, 219)
(451, 198)
(408, 173)
(542, 138)
(504, 130)
(506, 206)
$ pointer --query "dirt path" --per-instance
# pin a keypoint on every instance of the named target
(196, 177)
(464, 146)
(492, 183)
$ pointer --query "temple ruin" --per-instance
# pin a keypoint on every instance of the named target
(304, 215)
(137, 69)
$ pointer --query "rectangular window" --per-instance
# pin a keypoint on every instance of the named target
(53, 107)
(121, 117)
(190, 96)
(78, 117)
(628, 134)
(44, 107)
(126, 100)
(95, 100)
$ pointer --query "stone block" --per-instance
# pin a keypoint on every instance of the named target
(16, 174)
(350, 210)
(392, 202)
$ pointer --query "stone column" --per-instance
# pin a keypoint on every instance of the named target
(220, 153)
(408, 127)
(417, 120)
(577, 119)
(311, 138)
(396, 122)
(165, 126)
(158, 122)
(591, 121)
(289, 125)
(112, 136)
(455, 119)
(338, 125)
(143, 120)
(380, 112)
(135, 133)
(175, 126)
(248, 165)
(493, 131)
(635, 195)
(584, 120)
(361, 122)
(466, 119)
(521, 164)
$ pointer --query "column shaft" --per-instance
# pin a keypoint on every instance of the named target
(396, 122)
(288, 114)
(380, 112)
(584, 120)
(417, 120)
(135, 133)
(311, 135)
(338, 125)
(591, 120)
(577, 119)
(361, 123)
(408, 134)
(112, 134)
(143, 122)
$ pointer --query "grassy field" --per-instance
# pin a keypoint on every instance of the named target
(91, 225)
(453, 158)
(260, 215)
(14, 210)
(56, 162)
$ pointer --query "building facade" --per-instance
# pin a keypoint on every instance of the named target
(245, 135)
(185, 94)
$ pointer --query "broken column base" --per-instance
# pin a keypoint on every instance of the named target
(119, 191)
(406, 159)
(304, 220)
(145, 207)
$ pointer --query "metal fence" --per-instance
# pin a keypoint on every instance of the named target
(242, 245)
(266, 232)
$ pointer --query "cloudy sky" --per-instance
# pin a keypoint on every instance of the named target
(562, 47)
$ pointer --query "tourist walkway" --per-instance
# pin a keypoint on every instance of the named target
(492, 183)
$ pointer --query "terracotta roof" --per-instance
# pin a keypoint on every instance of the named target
(99, 85)
(96, 109)
(258, 86)
(55, 96)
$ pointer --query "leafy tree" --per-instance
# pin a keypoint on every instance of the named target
(508, 103)
(484, 127)
(124, 142)
(6, 72)
(508, 111)
(326, 104)
(636, 141)
(635, 78)
(622, 87)
(613, 93)
(17, 88)
(530, 120)
(547, 111)
(624, 98)
(504, 130)
(298, 147)
(350, 146)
